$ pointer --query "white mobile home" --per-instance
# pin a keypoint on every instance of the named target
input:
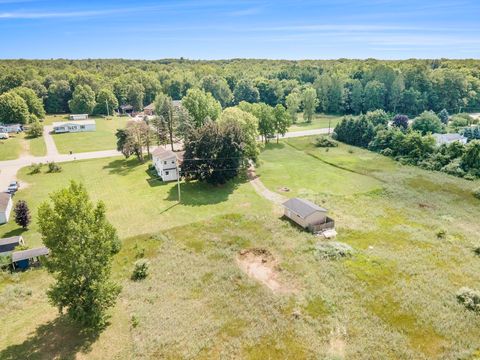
(74, 126)
(10, 128)
(446, 139)
(6, 205)
(165, 162)
(78, 117)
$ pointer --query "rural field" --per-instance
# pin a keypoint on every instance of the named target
(413, 233)
(319, 121)
(19, 144)
(103, 138)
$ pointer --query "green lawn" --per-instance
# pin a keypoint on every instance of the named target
(394, 299)
(19, 144)
(320, 121)
(101, 139)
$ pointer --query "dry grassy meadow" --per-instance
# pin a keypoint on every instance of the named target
(393, 299)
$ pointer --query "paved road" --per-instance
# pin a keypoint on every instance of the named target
(9, 168)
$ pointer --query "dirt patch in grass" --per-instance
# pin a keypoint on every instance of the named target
(260, 265)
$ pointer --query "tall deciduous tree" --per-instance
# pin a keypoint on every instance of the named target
(214, 153)
(427, 122)
(34, 103)
(83, 100)
(22, 214)
(201, 106)
(59, 93)
(281, 120)
(249, 126)
(218, 87)
(106, 102)
(166, 122)
(82, 243)
(374, 95)
(13, 109)
(245, 91)
(293, 101)
(310, 103)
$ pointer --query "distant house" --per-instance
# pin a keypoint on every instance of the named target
(78, 117)
(6, 205)
(74, 126)
(149, 110)
(7, 245)
(166, 163)
(126, 109)
(307, 214)
(11, 128)
(441, 139)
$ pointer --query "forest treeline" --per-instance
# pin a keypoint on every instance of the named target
(341, 86)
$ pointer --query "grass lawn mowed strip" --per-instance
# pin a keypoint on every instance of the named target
(413, 235)
(103, 138)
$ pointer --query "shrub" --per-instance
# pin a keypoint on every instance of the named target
(476, 193)
(427, 122)
(35, 130)
(377, 117)
(134, 321)
(53, 167)
(469, 298)
(477, 251)
(333, 250)
(35, 168)
(140, 270)
(441, 234)
(325, 142)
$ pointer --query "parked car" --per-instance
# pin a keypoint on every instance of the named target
(4, 136)
(13, 187)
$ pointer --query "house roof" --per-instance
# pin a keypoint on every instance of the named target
(126, 107)
(4, 201)
(149, 107)
(73, 122)
(302, 207)
(29, 254)
(164, 154)
(10, 243)
(448, 137)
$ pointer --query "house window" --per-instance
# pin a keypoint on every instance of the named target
(82, 126)
(166, 172)
(165, 162)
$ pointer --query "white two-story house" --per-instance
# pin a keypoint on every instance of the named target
(167, 163)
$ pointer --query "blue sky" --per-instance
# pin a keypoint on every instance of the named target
(222, 29)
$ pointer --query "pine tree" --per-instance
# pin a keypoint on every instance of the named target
(22, 214)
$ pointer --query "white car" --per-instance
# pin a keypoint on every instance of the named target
(4, 136)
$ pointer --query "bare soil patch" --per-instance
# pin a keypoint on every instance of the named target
(261, 265)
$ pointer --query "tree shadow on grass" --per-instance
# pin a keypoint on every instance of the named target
(57, 339)
(15, 232)
(274, 146)
(196, 193)
(122, 166)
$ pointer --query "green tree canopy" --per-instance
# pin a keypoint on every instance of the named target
(83, 100)
(13, 109)
(82, 243)
(201, 106)
(310, 102)
(249, 126)
(427, 122)
(245, 91)
(59, 93)
(105, 97)
(34, 103)
(218, 87)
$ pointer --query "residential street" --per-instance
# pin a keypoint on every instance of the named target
(9, 168)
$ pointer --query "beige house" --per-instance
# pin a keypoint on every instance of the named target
(307, 214)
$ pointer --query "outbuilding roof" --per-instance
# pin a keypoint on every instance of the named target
(29, 254)
(73, 122)
(4, 201)
(302, 207)
(10, 243)
(449, 137)
(164, 154)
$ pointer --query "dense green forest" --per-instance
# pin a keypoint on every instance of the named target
(342, 86)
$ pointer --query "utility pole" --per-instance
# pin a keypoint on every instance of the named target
(329, 122)
(106, 103)
(178, 180)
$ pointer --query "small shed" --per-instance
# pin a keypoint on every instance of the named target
(149, 110)
(7, 245)
(126, 109)
(6, 205)
(307, 214)
(78, 117)
(25, 258)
